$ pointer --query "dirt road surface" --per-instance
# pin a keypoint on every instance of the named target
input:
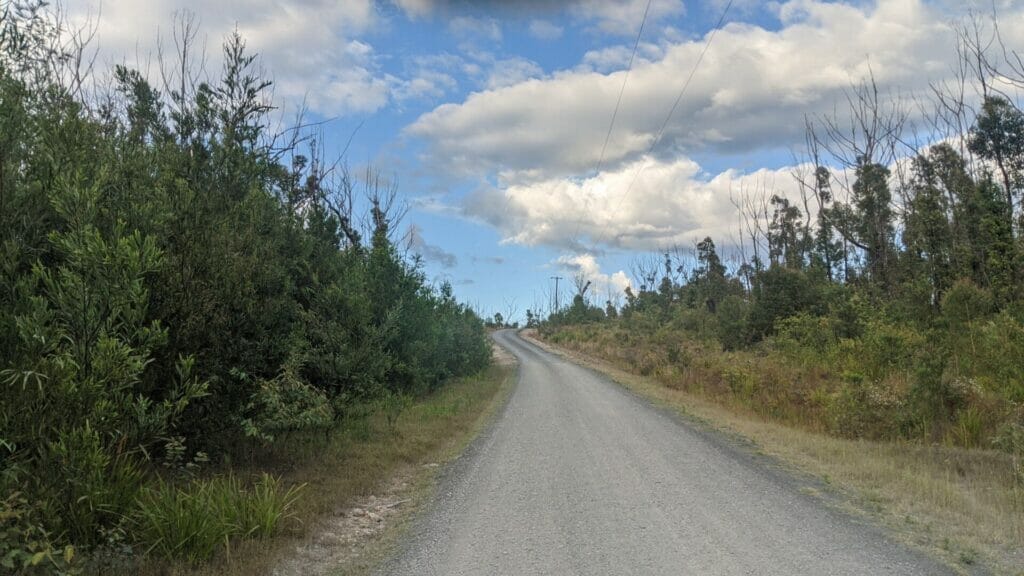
(579, 476)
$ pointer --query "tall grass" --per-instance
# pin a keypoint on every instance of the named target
(195, 520)
(878, 387)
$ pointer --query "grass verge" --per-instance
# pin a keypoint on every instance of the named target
(966, 506)
(372, 453)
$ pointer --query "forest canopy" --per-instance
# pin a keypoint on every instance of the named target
(178, 282)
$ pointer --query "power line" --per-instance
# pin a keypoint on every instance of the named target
(622, 89)
(679, 98)
(615, 114)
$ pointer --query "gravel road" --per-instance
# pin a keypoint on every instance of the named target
(579, 476)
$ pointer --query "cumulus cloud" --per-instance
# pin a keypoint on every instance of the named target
(669, 203)
(511, 71)
(586, 267)
(312, 48)
(537, 142)
(753, 91)
(614, 58)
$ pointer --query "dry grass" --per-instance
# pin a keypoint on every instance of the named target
(366, 457)
(965, 505)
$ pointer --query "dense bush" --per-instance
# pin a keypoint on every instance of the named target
(174, 288)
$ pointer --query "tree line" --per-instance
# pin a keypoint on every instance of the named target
(178, 283)
(900, 265)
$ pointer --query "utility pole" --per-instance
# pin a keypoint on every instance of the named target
(556, 279)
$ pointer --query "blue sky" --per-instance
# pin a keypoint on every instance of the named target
(490, 115)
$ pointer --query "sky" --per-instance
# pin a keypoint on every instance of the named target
(494, 117)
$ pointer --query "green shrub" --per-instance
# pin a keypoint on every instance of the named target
(996, 358)
(285, 404)
(98, 489)
(805, 333)
(26, 548)
(698, 323)
(888, 348)
(262, 510)
(195, 520)
(866, 409)
(1010, 435)
(741, 382)
(172, 288)
(392, 405)
(965, 302)
(969, 427)
(781, 293)
(733, 313)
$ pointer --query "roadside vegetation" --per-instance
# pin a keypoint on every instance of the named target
(964, 505)
(359, 459)
(886, 303)
(183, 293)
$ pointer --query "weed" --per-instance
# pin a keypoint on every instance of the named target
(195, 520)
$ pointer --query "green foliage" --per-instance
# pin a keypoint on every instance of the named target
(733, 314)
(965, 303)
(176, 289)
(870, 321)
(866, 409)
(393, 404)
(285, 404)
(874, 226)
(998, 135)
(580, 312)
(196, 520)
(803, 332)
(779, 294)
(868, 326)
(25, 548)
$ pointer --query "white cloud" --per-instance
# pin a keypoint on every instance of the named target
(538, 142)
(491, 72)
(645, 205)
(603, 286)
(312, 48)
(545, 30)
(416, 8)
(753, 90)
(511, 71)
(428, 76)
(612, 58)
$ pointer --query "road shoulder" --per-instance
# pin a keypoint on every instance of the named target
(362, 533)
